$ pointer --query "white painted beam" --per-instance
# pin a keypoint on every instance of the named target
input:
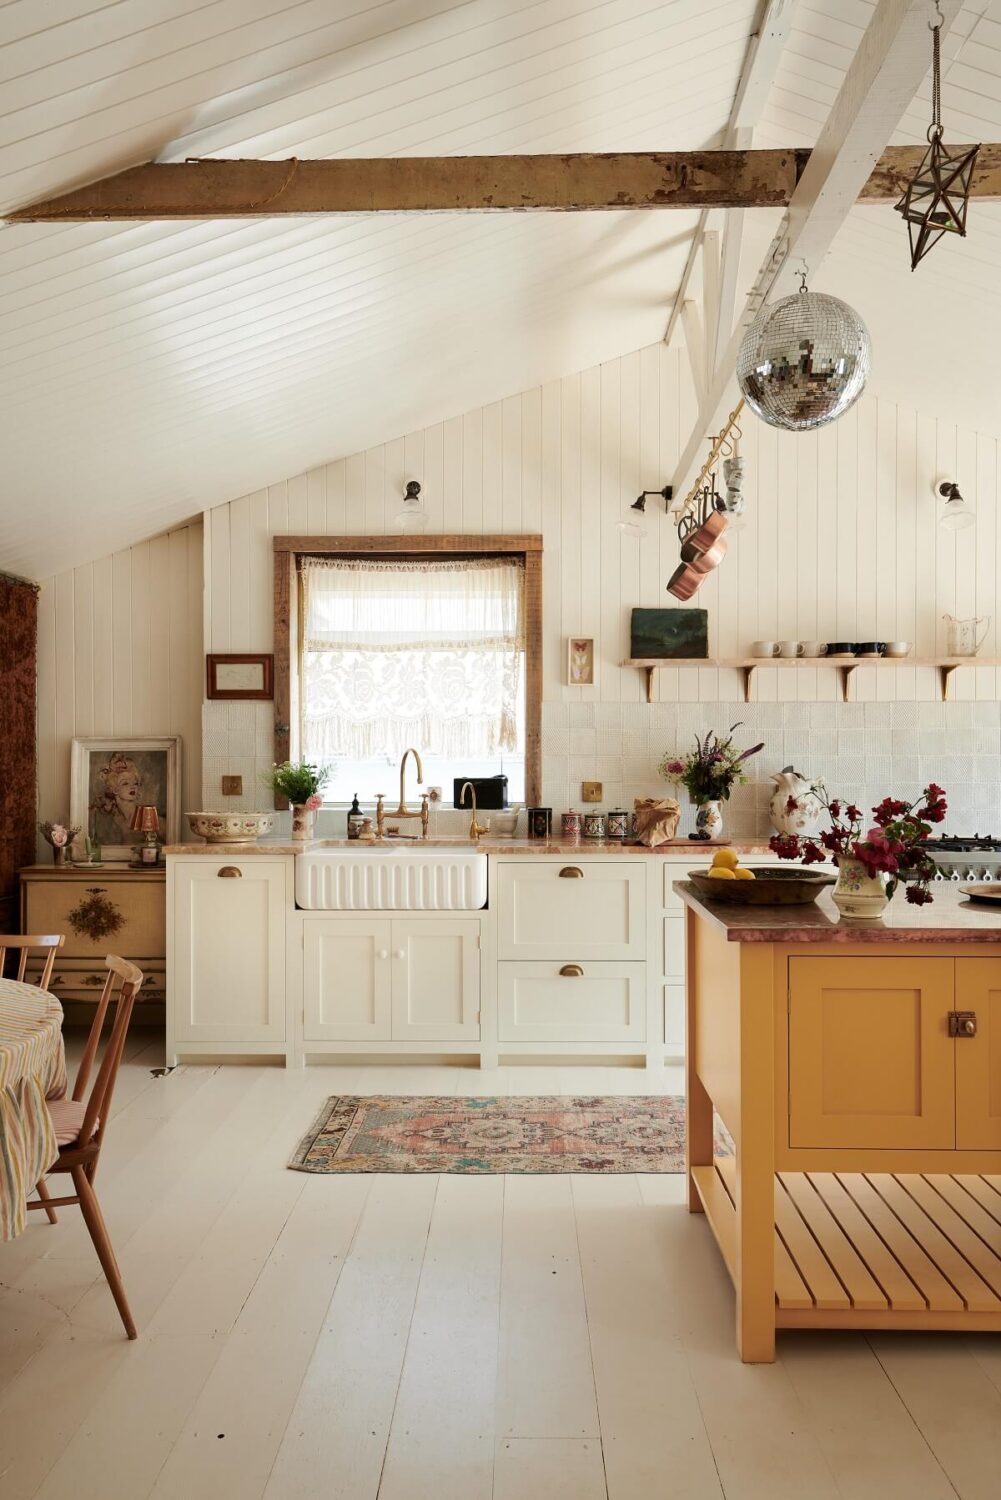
(893, 58)
(695, 343)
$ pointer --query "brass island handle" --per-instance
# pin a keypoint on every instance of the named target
(229, 872)
(571, 872)
(572, 971)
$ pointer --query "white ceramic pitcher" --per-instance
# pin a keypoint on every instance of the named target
(794, 806)
(966, 636)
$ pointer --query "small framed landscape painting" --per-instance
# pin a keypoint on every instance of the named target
(665, 633)
(110, 778)
(239, 675)
(580, 661)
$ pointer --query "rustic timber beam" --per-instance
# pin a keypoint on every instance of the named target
(214, 188)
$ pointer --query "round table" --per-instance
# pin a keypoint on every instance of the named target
(32, 1068)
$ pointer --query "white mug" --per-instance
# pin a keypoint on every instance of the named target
(789, 648)
(763, 648)
(812, 648)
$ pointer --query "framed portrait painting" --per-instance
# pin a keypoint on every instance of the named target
(111, 777)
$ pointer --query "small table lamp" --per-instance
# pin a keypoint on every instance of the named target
(147, 820)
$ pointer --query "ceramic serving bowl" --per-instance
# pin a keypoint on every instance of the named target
(231, 827)
(770, 887)
(503, 824)
(897, 648)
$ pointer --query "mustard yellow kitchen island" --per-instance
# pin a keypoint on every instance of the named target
(857, 1069)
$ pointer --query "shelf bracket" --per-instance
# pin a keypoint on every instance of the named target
(747, 677)
(945, 673)
(847, 673)
(649, 683)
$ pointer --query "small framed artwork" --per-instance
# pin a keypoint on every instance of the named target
(111, 778)
(580, 661)
(240, 675)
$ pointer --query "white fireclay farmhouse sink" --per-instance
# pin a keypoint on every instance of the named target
(391, 877)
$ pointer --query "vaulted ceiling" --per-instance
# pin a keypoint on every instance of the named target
(149, 371)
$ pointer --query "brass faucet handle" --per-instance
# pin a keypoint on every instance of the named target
(380, 814)
(425, 814)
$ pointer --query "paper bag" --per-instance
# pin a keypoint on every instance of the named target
(657, 820)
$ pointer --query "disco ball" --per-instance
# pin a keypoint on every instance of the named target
(804, 361)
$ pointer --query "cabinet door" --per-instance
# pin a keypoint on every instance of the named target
(347, 981)
(870, 1056)
(978, 1058)
(572, 910)
(436, 981)
(229, 950)
(553, 1002)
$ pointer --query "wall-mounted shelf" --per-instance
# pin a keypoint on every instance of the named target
(748, 665)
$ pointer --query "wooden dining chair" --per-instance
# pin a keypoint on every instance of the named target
(22, 946)
(80, 1125)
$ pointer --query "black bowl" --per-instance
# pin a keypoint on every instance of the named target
(840, 648)
(868, 648)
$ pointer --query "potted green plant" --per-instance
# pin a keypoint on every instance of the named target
(709, 773)
(300, 782)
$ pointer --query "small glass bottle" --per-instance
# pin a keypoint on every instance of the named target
(355, 818)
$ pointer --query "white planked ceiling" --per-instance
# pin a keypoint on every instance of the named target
(150, 371)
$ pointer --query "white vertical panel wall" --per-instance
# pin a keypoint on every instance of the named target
(840, 541)
(120, 653)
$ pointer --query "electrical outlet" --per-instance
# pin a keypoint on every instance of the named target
(232, 786)
(591, 791)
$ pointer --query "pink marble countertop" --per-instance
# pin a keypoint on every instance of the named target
(683, 850)
(950, 918)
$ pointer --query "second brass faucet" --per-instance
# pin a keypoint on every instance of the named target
(475, 829)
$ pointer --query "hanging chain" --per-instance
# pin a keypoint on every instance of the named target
(935, 131)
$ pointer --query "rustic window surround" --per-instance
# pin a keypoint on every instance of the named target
(287, 551)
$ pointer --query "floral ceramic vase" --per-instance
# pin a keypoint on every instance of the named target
(708, 820)
(859, 895)
(794, 807)
(302, 820)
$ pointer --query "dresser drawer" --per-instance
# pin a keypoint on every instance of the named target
(571, 911)
(98, 916)
(604, 1003)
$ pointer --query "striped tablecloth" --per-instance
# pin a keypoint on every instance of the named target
(32, 1068)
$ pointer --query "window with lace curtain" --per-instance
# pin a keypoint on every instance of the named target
(412, 651)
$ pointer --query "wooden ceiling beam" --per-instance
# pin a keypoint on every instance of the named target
(216, 188)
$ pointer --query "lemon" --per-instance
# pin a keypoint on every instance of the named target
(742, 874)
(725, 859)
(719, 873)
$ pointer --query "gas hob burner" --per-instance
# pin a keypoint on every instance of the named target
(976, 844)
(976, 857)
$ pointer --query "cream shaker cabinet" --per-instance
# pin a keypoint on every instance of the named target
(390, 980)
(228, 938)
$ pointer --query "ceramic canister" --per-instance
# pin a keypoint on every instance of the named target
(618, 824)
(594, 825)
(540, 822)
(570, 823)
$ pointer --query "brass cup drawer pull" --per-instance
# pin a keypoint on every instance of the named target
(572, 971)
(229, 872)
(962, 1023)
(571, 872)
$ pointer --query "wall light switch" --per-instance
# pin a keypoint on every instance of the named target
(591, 791)
(232, 786)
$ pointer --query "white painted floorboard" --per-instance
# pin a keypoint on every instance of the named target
(425, 1338)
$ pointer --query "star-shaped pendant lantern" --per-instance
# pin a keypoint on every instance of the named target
(936, 199)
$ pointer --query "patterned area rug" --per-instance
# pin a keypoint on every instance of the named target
(386, 1133)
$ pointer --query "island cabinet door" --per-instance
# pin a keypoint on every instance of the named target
(346, 979)
(978, 1056)
(229, 950)
(871, 1061)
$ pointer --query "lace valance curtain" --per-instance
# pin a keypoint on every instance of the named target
(422, 653)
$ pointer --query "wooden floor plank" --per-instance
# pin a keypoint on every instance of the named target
(651, 1423)
(341, 1419)
(862, 1289)
(900, 1291)
(938, 1293)
(441, 1443)
(973, 1290)
(549, 1469)
(545, 1385)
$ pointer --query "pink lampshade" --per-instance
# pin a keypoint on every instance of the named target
(145, 820)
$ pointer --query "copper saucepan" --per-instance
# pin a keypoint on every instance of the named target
(685, 581)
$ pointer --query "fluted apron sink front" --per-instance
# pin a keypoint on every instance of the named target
(391, 878)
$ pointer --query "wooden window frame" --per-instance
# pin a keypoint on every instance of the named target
(288, 550)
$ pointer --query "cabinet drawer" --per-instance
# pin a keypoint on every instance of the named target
(871, 1062)
(545, 910)
(98, 916)
(605, 1003)
(674, 951)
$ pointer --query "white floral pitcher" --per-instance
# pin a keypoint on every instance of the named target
(966, 636)
(794, 806)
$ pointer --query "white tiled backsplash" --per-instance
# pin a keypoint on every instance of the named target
(863, 751)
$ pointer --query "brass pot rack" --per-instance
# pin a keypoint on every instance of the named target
(722, 447)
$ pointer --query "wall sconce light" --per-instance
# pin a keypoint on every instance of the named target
(957, 514)
(633, 528)
(413, 516)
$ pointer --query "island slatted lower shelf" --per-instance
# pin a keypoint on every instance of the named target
(874, 1250)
